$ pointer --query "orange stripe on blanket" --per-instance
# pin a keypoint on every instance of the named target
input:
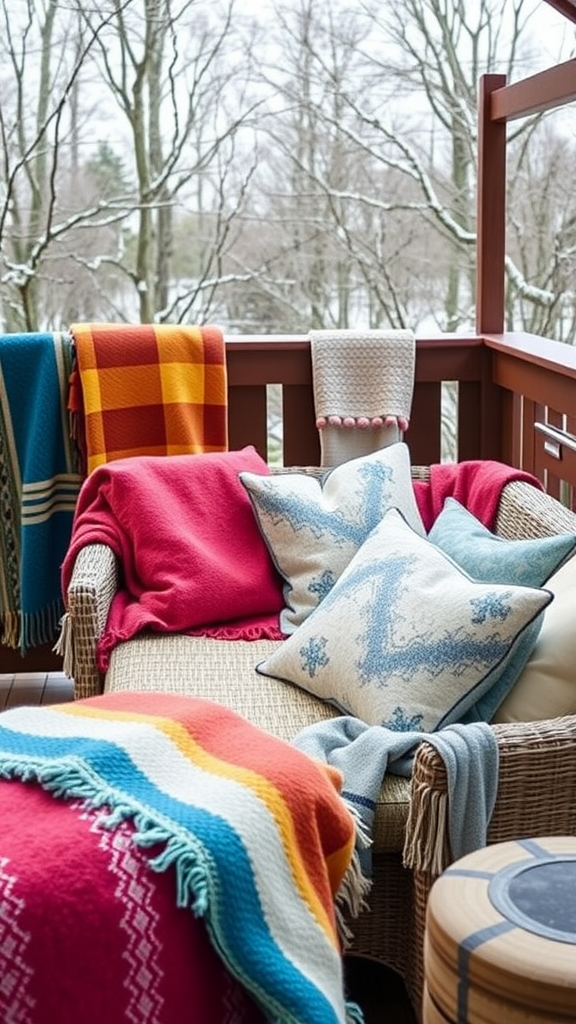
(297, 791)
(147, 389)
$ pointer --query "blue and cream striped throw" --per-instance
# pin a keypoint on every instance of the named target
(38, 484)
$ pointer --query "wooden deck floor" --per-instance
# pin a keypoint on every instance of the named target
(34, 688)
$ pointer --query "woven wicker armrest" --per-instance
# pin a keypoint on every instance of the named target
(92, 587)
(524, 511)
(536, 781)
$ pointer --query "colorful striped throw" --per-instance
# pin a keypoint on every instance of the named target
(38, 484)
(260, 842)
(148, 389)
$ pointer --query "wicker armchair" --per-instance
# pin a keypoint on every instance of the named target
(537, 779)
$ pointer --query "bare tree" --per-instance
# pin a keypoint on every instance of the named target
(165, 85)
(443, 50)
(541, 256)
(178, 76)
(372, 166)
(42, 54)
(172, 160)
(311, 272)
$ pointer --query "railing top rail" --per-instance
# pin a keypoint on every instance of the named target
(253, 341)
(553, 87)
(531, 348)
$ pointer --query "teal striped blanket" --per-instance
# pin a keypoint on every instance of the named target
(38, 484)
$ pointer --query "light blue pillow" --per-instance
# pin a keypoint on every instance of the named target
(314, 527)
(405, 638)
(489, 558)
(485, 556)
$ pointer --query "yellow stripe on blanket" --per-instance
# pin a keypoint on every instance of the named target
(148, 389)
(225, 764)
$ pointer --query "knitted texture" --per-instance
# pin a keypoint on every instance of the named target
(90, 933)
(38, 484)
(255, 832)
(363, 384)
(183, 567)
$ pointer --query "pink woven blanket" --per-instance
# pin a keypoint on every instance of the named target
(90, 934)
(191, 554)
(477, 484)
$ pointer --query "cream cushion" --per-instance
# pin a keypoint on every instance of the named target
(546, 688)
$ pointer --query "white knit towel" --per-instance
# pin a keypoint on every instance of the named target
(363, 385)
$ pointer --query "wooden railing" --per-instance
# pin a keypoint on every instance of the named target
(537, 379)
(514, 399)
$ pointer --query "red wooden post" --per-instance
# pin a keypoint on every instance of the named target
(491, 212)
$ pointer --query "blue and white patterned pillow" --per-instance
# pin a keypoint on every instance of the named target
(485, 556)
(314, 527)
(405, 638)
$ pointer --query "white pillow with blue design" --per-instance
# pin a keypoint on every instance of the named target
(405, 638)
(314, 527)
(483, 555)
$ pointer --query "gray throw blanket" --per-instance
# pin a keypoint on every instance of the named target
(364, 753)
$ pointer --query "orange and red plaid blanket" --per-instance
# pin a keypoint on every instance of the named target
(147, 389)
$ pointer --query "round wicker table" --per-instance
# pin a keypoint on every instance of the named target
(500, 945)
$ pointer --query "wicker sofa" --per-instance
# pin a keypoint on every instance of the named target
(537, 778)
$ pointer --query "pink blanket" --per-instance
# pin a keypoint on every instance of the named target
(477, 484)
(192, 556)
(91, 934)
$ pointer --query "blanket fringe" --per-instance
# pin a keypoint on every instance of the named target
(351, 898)
(426, 845)
(65, 646)
(179, 852)
(24, 630)
(234, 631)
(354, 1014)
(191, 881)
(39, 627)
(363, 834)
(11, 629)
